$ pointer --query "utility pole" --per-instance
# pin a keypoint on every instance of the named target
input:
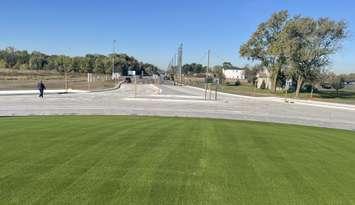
(216, 90)
(208, 59)
(180, 62)
(66, 80)
(174, 67)
(113, 57)
(208, 67)
(135, 86)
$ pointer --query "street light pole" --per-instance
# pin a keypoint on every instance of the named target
(208, 66)
(175, 67)
(113, 58)
(180, 62)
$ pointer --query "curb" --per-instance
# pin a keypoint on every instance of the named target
(118, 86)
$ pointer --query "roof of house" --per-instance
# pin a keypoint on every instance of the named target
(264, 73)
(234, 68)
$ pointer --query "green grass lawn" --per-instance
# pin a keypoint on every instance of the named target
(346, 95)
(152, 160)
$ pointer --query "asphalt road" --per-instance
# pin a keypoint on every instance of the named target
(168, 100)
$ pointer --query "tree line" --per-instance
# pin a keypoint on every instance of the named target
(91, 63)
(196, 69)
(299, 47)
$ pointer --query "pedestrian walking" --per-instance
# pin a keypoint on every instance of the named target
(41, 87)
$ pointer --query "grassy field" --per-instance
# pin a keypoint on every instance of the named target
(346, 95)
(152, 160)
(28, 79)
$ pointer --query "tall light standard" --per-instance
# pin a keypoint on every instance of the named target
(113, 58)
(180, 62)
(206, 78)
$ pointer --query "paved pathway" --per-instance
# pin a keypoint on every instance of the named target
(167, 100)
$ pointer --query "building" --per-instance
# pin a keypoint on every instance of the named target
(263, 79)
(234, 74)
(115, 76)
(289, 84)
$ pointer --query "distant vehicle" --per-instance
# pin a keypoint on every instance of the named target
(350, 82)
(131, 73)
(128, 80)
(326, 86)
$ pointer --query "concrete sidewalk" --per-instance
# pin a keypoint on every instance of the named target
(36, 92)
(59, 91)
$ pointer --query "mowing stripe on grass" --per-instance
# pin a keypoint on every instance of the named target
(154, 160)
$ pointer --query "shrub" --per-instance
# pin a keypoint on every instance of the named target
(308, 88)
(263, 85)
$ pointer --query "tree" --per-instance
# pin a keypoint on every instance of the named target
(2, 64)
(281, 79)
(15, 59)
(218, 73)
(89, 63)
(227, 65)
(348, 77)
(9, 57)
(186, 69)
(149, 68)
(263, 85)
(316, 77)
(37, 61)
(76, 61)
(22, 57)
(108, 65)
(193, 68)
(264, 45)
(99, 64)
(337, 82)
(308, 43)
(250, 73)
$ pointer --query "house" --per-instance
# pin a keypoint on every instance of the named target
(233, 74)
(289, 84)
(115, 76)
(263, 79)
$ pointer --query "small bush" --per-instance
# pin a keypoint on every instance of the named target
(237, 83)
(263, 85)
(308, 88)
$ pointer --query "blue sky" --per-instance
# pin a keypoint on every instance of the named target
(151, 30)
